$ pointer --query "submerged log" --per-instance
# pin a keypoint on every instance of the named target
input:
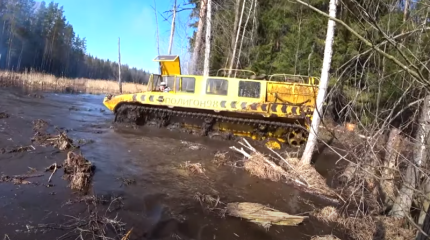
(262, 215)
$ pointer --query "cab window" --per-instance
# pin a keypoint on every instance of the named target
(170, 80)
(249, 89)
(186, 84)
(216, 86)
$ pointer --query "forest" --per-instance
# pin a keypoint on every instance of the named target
(279, 36)
(36, 36)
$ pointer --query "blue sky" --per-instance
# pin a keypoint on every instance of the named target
(103, 21)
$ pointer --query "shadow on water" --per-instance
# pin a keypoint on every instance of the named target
(161, 202)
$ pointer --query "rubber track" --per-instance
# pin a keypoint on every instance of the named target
(244, 121)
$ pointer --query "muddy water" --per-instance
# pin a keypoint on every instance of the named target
(159, 205)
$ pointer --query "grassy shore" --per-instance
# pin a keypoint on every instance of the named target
(48, 82)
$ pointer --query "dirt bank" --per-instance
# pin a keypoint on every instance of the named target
(139, 168)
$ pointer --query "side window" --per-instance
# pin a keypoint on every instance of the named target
(249, 89)
(170, 80)
(156, 80)
(216, 86)
(188, 84)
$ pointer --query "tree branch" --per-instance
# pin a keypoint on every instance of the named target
(415, 74)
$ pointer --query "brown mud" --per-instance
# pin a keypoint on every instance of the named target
(141, 167)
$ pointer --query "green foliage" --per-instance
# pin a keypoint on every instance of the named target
(290, 38)
(42, 39)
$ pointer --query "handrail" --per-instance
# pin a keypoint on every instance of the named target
(302, 78)
(237, 70)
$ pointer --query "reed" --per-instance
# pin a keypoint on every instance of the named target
(48, 82)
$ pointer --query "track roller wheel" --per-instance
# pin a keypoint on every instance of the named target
(297, 137)
(273, 144)
(207, 126)
(262, 127)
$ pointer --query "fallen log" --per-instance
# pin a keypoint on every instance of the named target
(262, 215)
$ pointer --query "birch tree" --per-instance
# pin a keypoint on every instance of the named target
(208, 38)
(172, 29)
(403, 203)
(157, 30)
(198, 40)
(244, 31)
(119, 66)
(325, 71)
(233, 33)
(233, 56)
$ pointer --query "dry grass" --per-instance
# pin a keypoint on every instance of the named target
(277, 168)
(40, 81)
(392, 228)
(259, 166)
(193, 167)
(360, 228)
(366, 227)
(327, 214)
(220, 158)
(60, 141)
(98, 223)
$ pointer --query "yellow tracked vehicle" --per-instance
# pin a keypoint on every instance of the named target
(277, 108)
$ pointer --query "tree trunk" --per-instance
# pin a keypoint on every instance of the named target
(424, 201)
(20, 57)
(198, 39)
(233, 33)
(172, 30)
(405, 14)
(425, 228)
(403, 202)
(390, 161)
(312, 140)
(244, 31)
(236, 40)
(208, 38)
(119, 65)
(156, 23)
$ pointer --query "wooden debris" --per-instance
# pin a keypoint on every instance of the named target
(290, 169)
(60, 141)
(52, 167)
(55, 169)
(327, 237)
(78, 170)
(4, 115)
(18, 149)
(18, 179)
(262, 215)
(193, 167)
(126, 237)
(126, 181)
(39, 125)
